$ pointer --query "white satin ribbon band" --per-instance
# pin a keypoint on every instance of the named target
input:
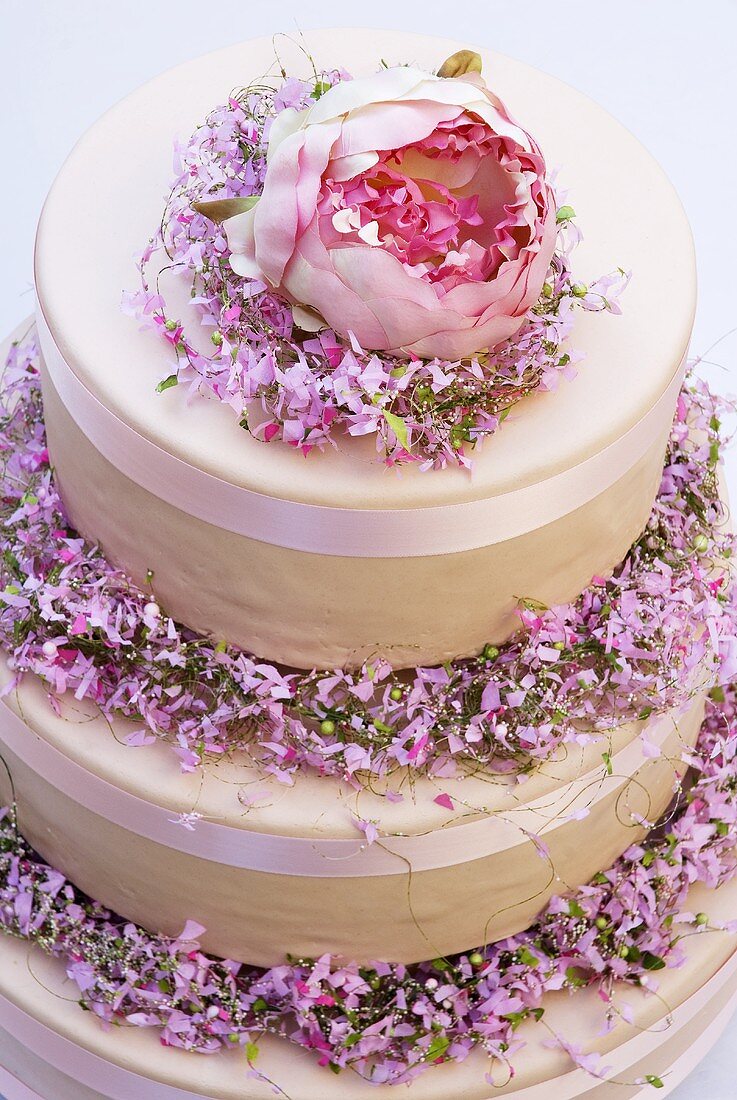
(314, 857)
(345, 532)
(118, 1083)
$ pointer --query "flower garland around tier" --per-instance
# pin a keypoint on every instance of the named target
(285, 384)
(637, 643)
(389, 1022)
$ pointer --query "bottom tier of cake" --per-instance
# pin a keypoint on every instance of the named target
(52, 1049)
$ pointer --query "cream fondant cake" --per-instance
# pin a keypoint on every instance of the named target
(294, 860)
(406, 751)
(458, 538)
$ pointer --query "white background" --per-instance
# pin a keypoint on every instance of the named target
(666, 68)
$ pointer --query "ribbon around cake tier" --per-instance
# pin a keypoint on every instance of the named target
(324, 856)
(349, 532)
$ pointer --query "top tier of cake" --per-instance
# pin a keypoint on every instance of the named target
(359, 556)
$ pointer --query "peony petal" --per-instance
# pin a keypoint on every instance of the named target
(311, 279)
(369, 233)
(464, 343)
(453, 175)
(307, 319)
(391, 126)
(478, 100)
(345, 168)
(350, 95)
(246, 267)
(287, 122)
(290, 193)
(372, 271)
(239, 234)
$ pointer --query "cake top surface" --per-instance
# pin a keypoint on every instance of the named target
(107, 201)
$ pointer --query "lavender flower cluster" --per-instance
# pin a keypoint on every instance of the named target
(286, 385)
(636, 643)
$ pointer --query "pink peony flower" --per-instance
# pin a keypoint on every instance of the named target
(407, 209)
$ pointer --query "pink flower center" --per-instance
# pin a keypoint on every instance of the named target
(446, 206)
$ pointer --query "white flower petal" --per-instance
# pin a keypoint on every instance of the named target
(345, 168)
(349, 95)
(346, 220)
(287, 122)
(369, 233)
(307, 319)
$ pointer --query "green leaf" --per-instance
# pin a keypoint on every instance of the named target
(656, 1082)
(219, 210)
(167, 384)
(565, 214)
(399, 427)
(533, 605)
(652, 962)
(575, 977)
(251, 1052)
(607, 758)
(437, 1048)
(526, 957)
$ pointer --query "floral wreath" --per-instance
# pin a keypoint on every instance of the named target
(637, 643)
(415, 292)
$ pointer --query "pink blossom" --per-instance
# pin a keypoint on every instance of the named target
(406, 210)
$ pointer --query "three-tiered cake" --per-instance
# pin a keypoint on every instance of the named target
(420, 750)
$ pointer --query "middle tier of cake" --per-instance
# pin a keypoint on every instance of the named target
(323, 866)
